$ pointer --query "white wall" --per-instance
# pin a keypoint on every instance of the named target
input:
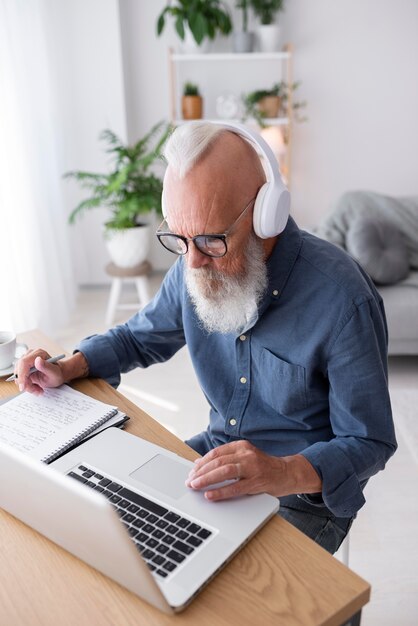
(85, 42)
(145, 60)
(356, 61)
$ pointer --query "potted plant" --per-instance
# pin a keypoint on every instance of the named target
(264, 103)
(191, 102)
(243, 40)
(196, 21)
(130, 190)
(268, 31)
(271, 103)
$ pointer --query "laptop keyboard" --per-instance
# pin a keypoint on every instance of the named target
(164, 538)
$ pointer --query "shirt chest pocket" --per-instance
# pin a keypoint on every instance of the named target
(283, 384)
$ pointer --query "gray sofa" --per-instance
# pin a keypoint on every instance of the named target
(401, 305)
(381, 233)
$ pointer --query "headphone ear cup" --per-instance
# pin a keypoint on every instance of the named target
(259, 210)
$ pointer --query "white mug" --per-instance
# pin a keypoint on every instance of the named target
(7, 348)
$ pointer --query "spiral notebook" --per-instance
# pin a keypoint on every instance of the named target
(46, 426)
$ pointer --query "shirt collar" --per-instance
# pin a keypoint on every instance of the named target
(279, 267)
(283, 258)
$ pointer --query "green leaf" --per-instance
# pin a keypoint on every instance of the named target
(160, 24)
(199, 27)
(180, 27)
(223, 21)
(90, 203)
(86, 178)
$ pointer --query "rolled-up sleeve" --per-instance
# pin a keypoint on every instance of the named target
(360, 412)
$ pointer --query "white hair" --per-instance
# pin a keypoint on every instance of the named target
(188, 143)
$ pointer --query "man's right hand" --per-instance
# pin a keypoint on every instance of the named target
(48, 374)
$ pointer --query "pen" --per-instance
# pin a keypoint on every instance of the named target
(32, 370)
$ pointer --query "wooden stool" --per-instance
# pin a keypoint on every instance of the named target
(139, 275)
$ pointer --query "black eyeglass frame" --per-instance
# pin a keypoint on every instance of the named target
(219, 236)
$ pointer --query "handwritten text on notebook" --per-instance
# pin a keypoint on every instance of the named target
(29, 421)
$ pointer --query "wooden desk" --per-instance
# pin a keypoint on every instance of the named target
(281, 577)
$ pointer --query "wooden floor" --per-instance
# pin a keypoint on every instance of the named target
(384, 538)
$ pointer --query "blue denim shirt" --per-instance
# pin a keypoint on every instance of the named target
(308, 376)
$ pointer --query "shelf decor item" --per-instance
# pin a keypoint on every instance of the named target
(272, 103)
(268, 32)
(264, 103)
(227, 106)
(196, 21)
(131, 192)
(191, 102)
(243, 40)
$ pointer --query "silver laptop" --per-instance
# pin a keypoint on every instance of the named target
(120, 504)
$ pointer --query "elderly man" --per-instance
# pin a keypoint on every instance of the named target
(286, 333)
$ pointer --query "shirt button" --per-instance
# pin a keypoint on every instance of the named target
(233, 421)
(275, 292)
(243, 380)
(243, 337)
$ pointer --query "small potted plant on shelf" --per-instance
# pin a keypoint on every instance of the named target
(264, 103)
(191, 102)
(243, 39)
(268, 31)
(196, 22)
(130, 190)
(271, 103)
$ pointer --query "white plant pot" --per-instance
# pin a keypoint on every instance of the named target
(128, 247)
(268, 36)
(189, 45)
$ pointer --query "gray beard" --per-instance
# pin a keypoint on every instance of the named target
(225, 304)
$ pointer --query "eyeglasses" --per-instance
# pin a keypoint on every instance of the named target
(213, 245)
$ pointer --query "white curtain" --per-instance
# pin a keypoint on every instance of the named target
(36, 279)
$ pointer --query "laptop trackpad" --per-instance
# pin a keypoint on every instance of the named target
(163, 474)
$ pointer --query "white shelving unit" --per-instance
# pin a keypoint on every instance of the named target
(226, 56)
(269, 121)
(277, 66)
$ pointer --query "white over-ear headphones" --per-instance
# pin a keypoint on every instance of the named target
(272, 204)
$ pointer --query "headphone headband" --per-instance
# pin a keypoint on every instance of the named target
(272, 204)
(257, 141)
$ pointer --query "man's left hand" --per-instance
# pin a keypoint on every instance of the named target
(256, 471)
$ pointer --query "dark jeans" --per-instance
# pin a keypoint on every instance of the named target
(312, 518)
(315, 521)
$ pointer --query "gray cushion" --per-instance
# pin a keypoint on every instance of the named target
(380, 249)
(401, 306)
